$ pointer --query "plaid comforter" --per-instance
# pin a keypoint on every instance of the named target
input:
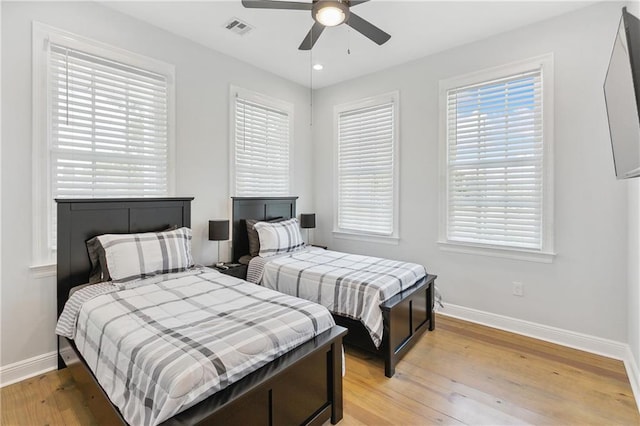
(347, 284)
(162, 345)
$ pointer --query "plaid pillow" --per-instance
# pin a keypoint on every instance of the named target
(252, 235)
(99, 271)
(134, 256)
(279, 237)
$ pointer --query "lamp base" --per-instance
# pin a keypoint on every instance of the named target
(218, 263)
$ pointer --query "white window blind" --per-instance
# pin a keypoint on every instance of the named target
(366, 156)
(261, 148)
(108, 127)
(495, 162)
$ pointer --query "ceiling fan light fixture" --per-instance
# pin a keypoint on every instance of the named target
(330, 13)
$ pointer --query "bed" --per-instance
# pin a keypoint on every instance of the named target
(302, 386)
(406, 315)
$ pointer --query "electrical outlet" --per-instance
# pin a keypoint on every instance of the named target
(518, 289)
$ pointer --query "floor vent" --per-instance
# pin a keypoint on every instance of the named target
(237, 26)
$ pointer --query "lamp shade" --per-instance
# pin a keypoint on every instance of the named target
(307, 220)
(218, 230)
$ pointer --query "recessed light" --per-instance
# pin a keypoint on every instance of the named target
(318, 67)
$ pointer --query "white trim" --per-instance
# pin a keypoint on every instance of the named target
(633, 372)
(394, 237)
(28, 368)
(106, 50)
(43, 271)
(40, 165)
(285, 106)
(496, 251)
(371, 238)
(42, 35)
(572, 339)
(547, 252)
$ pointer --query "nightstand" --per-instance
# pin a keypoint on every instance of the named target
(234, 269)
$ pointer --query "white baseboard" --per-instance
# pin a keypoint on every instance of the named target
(28, 368)
(572, 339)
(633, 372)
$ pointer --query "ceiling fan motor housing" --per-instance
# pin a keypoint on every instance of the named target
(330, 13)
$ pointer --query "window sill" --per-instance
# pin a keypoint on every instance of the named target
(495, 251)
(385, 239)
(43, 271)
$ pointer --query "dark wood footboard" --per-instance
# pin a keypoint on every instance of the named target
(304, 386)
(407, 315)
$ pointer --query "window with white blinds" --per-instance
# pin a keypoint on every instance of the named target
(367, 166)
(109, 127)
(495, 150)
(108, 124)
(261, 140)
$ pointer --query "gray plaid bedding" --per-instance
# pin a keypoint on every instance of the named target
(347, 284)
(162, 345)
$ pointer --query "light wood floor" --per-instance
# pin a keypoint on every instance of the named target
(461, 373)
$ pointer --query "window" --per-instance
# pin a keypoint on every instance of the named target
(497, 155)
(104, 125)
(367, 167)
(260, 145)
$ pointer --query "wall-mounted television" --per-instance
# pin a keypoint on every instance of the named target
(622, 97)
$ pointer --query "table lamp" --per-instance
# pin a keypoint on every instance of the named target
(218, 231)
(308, 221)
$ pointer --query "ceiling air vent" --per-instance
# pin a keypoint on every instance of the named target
(237, 26)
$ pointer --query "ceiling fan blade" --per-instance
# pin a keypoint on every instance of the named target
(270, 4)
(357, 2)
(367, 29)
(312, 37)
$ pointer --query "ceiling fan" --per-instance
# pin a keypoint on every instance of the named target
(326, 13)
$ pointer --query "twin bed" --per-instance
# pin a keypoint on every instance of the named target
(143, 352)
(386, 316)
(193, 346)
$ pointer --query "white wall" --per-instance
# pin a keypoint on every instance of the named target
(202, 130)
(585, 288)
(633, 319)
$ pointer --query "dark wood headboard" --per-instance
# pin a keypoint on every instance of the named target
(82, 219)
(260, 208)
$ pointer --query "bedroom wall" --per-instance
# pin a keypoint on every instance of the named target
(202, 121)
(585, 289)
(633, 321)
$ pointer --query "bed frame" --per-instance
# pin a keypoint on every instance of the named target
(407, 315)
(304, 386)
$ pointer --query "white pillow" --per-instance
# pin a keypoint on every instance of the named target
(134, 256)
(279, 237)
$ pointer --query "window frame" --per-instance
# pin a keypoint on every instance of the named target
(43, 256)
(345, 233)
(268, 101)
(546, 253)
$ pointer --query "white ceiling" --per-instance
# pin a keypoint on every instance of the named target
(417, 28)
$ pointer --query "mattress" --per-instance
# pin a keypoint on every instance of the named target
(166, 343)
(349, 285)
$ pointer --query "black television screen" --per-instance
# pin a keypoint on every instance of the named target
(622, 97)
